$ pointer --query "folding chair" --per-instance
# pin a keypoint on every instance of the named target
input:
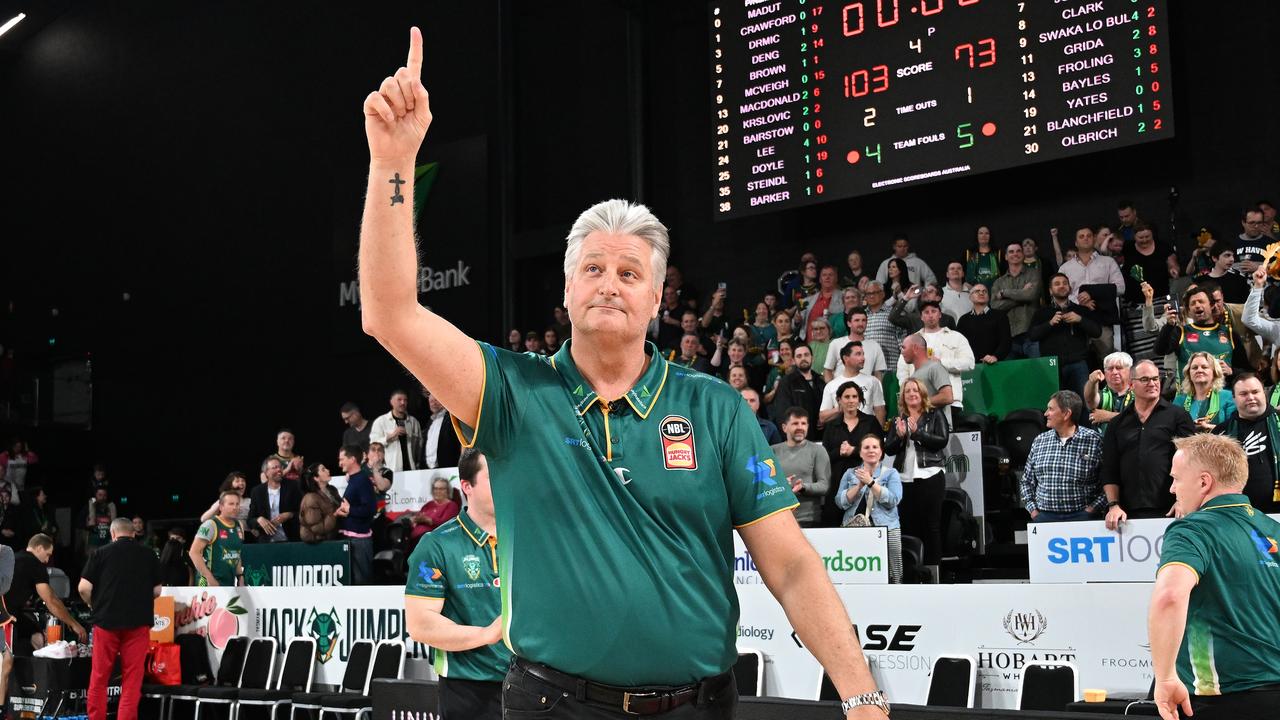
(295, 677)
(1048, 685)
(259, 667)
(953, 682)
(388, 663)
(353, 680)
(229, 670)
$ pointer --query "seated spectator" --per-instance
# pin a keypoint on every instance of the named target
(981, 262)
(515, 340)
(841, 437)
(1060, 480)
(986, 328)
(767, 428)
(1138, 450)
(321, 506)
(291, 463)
(917, 439)
(357, 525)
(357, 432)
(1201, 393)
(1017, 294)
(852, 359)
(551, 340)
(435, 512)
(175, 566)
(805, 466)
(1203, 333)
(955, 292)
(948, 347)
(215, 552)
(1256, 426)
(236, 481)
(786, 356)
(16, 463)
(39, 516)
(1064, 329)
(918, 272)
(1148, 262)
(873, 489)
(273, 509)
(855, 275)
(800, 387)
(1109, 390)
(834, 368)
(689, 356)
(1235, 288)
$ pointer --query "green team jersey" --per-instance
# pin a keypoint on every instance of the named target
(458, 562)
(1232, 638)
(222, 554)
(616, 518)
(1214, 339)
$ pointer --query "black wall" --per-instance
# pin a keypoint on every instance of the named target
(210, 159)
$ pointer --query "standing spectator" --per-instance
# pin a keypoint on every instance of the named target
(357, 525)
(435, 512)
(948, 347)
(1251, 244)
(31, 584)
(1265, 327)
(855, 275)
(16, 463)
(786, 356)
(273, 509)
(880, 329)
(687, 293)
(399, 432)
(818, 305)
(1109, 390)
(1201, 392)
(665, 328)
(1235, 288)
(917, 439)
(897, 281)
(714, 322)
(763, 334)
(729, 356)
(802, 287)
(550, 340)
(1090, 268)
(1269, 222)
(1138, 448)
(119, 583)
(1203, 333)
(819, 339)
(918, 271)
(767, 428)
(39, 517)
(1031, 255)
(176, 569)
(357, 432)
(98, 519)
(982, 262)
(875, 363)
(10, 521)
(688, 355)
(781, 334)
(906, 314)
(934, 378)
(1060, 480)
(800, 387)
(986, 328)
(561, 323)
(841, 437)
(1146, 262)
(880, 487)
(1217, 593)
(321, 506)
(955, 292)
(382, 478)
(515, 340)
(290, 463)
(1256, 426)
(215, 552)
(1064, 329)
(441, 448)
(805, 466)
(871, 397)
(235, 481)
(140, 534)
(1130, 223)
(850, 301)
(1017, 294)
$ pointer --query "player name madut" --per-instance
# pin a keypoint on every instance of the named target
(1089, 118)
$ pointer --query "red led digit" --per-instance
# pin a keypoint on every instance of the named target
(848, 31)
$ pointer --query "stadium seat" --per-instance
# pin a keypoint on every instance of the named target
(259, 667)
(1048, 686)
(295, 677)
(353, 680)
(953, 682)
(1017, 430)
(388, 663)
(229, 669)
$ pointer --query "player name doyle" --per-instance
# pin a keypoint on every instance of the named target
(1082, 28)
(912, 107)
(922, 140)
(770, 166)
(1076, 121)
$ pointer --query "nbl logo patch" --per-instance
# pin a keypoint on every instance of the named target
(678, 452)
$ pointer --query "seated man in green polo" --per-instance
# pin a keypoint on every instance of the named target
(453, 603)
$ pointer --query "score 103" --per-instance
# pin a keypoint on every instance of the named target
(974, 55)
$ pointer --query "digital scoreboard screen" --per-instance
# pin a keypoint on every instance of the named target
(816, 100)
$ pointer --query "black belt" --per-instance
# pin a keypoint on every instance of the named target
(634, 700)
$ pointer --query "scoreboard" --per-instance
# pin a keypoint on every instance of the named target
(817, 100)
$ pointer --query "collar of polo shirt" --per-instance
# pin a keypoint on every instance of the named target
(641, 397)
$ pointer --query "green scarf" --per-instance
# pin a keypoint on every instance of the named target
(1215, 405)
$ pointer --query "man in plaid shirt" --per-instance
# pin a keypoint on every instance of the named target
(1060, 480)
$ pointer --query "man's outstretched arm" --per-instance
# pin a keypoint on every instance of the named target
(445, 361)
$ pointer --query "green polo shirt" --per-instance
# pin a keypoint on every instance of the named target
(616, 518)
(1232, 638)
(458, 562)
(222, 554)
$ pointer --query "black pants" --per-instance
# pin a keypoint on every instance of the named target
(1260, 704)
(470, 700)
(921, 513)
(525, 697)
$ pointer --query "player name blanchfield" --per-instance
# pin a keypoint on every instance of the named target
(1089, 118)
(767, 103)
(770, 24)
(769, 134)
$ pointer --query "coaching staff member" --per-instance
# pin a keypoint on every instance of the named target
(1212, 619)
(118, 583)
(603, 446)
(453, 601)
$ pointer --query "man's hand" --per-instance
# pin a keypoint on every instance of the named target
(846, 449)
(1225, 367)
(79, 630)
(396, 434)
(1148, 292)
(493, 633)
(1071, 317)
(796, 483)
(398, 113)
(1169, 696)
(1259, 278)
(1249, 266)
(1116, 516)
(1097, 376)
(990, 359)
(266, 526)
(1035, 514)
(1170, 315)
(1056, 319)
(1102, 416)
(1084, 299)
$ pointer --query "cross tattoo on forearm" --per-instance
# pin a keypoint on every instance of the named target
(397, 198)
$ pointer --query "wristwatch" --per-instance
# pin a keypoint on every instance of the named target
(872, 698)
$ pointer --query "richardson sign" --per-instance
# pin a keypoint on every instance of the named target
(853, 556)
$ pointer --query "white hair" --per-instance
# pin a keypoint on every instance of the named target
(1119, 359)
(620, 217)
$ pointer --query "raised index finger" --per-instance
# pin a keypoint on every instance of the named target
(414, 65)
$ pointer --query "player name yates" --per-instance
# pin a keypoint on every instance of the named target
(922, 140)
(1094, 25)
